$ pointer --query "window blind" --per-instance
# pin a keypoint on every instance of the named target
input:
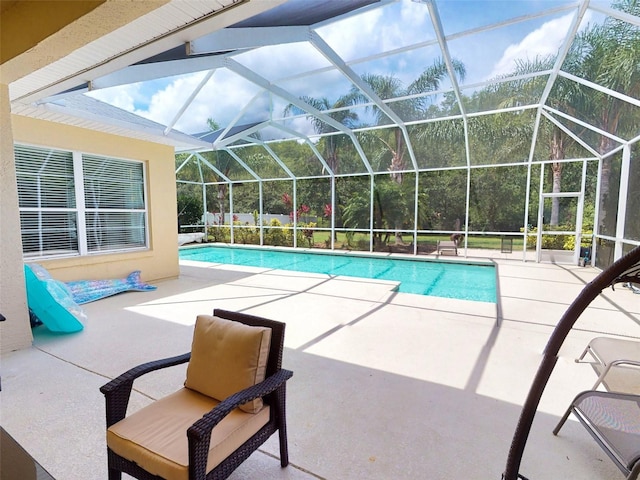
(114, 202)
(111, 205)
(46, 198)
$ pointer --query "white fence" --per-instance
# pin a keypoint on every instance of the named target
(247, 218)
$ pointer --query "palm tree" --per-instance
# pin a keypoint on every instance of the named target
(332, 143)
(566, 96)
(414, 108)
(609, 55)
(388, 87)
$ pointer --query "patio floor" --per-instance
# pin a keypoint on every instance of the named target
(386, 385)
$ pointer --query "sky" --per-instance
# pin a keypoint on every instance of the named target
(485, 55)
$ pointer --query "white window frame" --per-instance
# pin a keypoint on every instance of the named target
(81, 210)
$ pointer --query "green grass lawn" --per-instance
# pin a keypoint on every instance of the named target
(360, 241)
(486, 242)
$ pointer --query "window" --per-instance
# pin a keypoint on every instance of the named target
(77, 204)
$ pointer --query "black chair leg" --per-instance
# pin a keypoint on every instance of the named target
(115, 474)
(282, 426)
(284, 449)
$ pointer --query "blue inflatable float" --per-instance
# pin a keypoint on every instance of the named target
(51, 302)
(57, 304)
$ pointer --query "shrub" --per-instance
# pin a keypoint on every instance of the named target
(557, 242)
(277, 235)
(305, 233)
(220, 234)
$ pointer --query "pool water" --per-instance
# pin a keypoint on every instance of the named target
(440, 279)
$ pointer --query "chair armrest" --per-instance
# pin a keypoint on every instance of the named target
(118, 390)
(614, 363)
(201, 429)
(617, 363)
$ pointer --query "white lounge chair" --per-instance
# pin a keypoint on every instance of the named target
(615, 352)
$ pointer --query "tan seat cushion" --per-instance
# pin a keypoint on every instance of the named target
(227, 357)
(156, 436)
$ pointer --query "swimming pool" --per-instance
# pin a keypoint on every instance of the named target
(463, 281)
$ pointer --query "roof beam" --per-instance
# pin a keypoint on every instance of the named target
(238, 116)
(562, 54)
(212, 167)
(312, 145)
(274, 89)
(220, 16)
(437, 26)
(189, 100)
(570, 133)
(152, 71)
(273, 155)
(318, 42)
(584, 124)
(221, 144)
(601, 89)
(617, 14)
(231, 39)
(242, 164)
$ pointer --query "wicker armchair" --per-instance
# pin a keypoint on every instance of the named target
(200, 450)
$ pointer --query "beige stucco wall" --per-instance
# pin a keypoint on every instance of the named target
(15, 332)
(32, 38)
(161, 260)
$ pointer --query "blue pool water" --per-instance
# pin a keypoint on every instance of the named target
(440, 279)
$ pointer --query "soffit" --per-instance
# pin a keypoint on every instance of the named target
(153, 27)
(167, 26)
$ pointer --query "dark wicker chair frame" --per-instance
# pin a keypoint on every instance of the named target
(273, 391)
(625, 269)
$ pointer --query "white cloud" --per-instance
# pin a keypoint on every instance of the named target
(377, 30)
(121, 97)
(340, 35)
(545, 40)
(165, 104)
(414, 15)
(226, 94)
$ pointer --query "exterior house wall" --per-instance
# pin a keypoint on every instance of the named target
(34, 35)
(161, 260)
(15, 332)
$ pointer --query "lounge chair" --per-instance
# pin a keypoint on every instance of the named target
(615, 352)
(625, 269)
(613, 420)
(447, 246)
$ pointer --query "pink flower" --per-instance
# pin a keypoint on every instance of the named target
(286, 199)
(327, 210)
(304, 208)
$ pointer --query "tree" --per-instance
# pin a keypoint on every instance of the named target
(332, 143)
(188, 195)
(392, 208)
(388, 86)
(609, 55)
(566, 96)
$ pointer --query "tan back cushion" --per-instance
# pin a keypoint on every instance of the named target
(227, 357)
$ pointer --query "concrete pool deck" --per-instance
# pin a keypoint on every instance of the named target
(386, 385)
